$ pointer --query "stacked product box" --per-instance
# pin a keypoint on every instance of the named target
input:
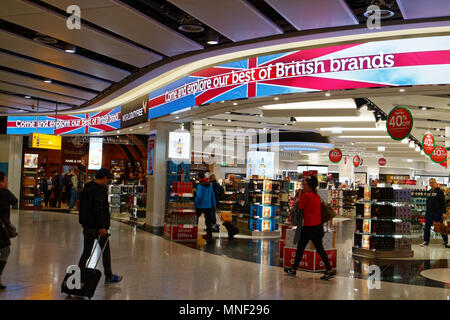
(403, 212)
(402, 195)
(311, 260)
(263, 218)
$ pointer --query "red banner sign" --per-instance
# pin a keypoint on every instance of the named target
(428, 143)
(356, 161)
(335, 155)
(382, 161)
(399, 123)
(439, 154)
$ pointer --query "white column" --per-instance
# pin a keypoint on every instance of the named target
(15, 165)
(157, 184)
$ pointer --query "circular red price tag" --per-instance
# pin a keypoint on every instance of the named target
(439, 154)
(382, 161)
(399, 123)
(356, 161)
(428, 143)
(335, 155)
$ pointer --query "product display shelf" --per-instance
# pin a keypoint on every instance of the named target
(126, 203)
(180, 221)
(31, 199)
(383, 223)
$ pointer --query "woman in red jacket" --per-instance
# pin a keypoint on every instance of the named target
(312, 227)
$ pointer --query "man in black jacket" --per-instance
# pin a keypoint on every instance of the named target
(94, 217)
(7, 199)
(436, 207)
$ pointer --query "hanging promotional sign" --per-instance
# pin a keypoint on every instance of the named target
(180, 145)
(335, 155)
(95, 153)
(356, 161)
(101, 121)
(399, 123)
(428, 143)
(439, 154)
(382, 161)
(402, 62)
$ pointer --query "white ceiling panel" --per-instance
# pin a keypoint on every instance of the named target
(314, 14)
(39, 94)
(132, 24)
(219, 15)
(56, 88)
(415, 9)
(43, 70)
(34, 17)
(9, 100)
(49, 54)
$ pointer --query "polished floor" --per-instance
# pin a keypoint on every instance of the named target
(155, 268)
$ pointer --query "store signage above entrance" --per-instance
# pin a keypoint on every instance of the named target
(399, 123)
(335, 155)
(45, 141)
(382, 161)
(428, 143)
(134, 113)
(356, 161)
(439, 154)
(101, 121)
(403, 62)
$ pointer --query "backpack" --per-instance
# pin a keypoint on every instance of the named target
(296, 215)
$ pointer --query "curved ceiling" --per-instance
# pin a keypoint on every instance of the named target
(120, 42)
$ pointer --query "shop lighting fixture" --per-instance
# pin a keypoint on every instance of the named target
(336, 130)
(27, 97)
(310, 105)
(131, 129)
(235, 104)
(412, 144)
(409, 160)
(261, 115)
(437, 129)
(424, 108)
(70, 49)
(381, 148)
(118, 131)
(327, 94)
(177, 117)
(276, 98)
(48, 81)
(213, 37)
(417, 149)
(402, 90)
(229, 120)
(285, 124)
(140, 127)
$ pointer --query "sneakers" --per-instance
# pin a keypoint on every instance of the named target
(290, 271)
(114, 279)
(424, 244)
(328, 275)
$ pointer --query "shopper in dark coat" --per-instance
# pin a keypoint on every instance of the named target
(7, 199)
(436, 207)
(218, 194)
(94, 217)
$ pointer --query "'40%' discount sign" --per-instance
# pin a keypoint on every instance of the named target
(428, 143)
(399, 123)
(335, 155)
(439, 154)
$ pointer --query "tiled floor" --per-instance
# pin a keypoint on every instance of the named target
(155, 268)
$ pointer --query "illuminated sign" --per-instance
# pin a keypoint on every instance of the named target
(261, 163)
(95, 153)
(403, 62)
(45, 141)
(101, 121)
(180, 145)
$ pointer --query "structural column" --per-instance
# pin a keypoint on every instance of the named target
(15, 165)
(157, 183)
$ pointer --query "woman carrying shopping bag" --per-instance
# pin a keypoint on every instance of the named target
(312, 229)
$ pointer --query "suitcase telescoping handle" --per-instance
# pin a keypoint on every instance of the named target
(93, 250)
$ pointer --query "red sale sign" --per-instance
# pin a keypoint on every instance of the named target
(439, 154)
(356, 161)
(428, 143)
(382, 161)
(335, 155)
(399, 123)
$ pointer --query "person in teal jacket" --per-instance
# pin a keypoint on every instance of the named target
(204, 202)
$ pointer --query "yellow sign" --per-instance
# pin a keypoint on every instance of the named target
(46, 141)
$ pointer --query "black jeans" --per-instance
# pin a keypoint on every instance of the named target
(89, 240)
(207, 213)
(431, 217)
(315, 234)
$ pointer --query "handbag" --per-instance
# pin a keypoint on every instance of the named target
(327, 212)
(10, 229)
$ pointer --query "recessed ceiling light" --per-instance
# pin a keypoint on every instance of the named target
(381, 148)
(234, 103)
(437, 129)
(177, 117)
(229, 120)
(409, 160)
(327, 94)
(285, 124)
(71, 49)
(27, 97)
(118, 131)
(402, 90)
(48, 81)
(131, 129)
(424, 108)
(276, 98)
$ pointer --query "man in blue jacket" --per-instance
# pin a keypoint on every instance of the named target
(204, 202)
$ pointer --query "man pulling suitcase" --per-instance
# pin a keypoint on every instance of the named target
(94, 217)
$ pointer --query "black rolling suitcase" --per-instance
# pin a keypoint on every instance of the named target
(89, 277)
(232, 230)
